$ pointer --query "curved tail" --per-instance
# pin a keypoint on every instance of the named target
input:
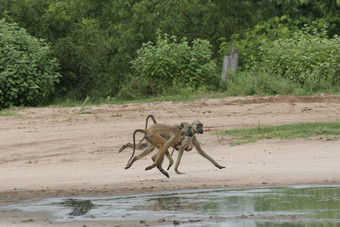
(147, 119)
(146, 124)
(134, 141)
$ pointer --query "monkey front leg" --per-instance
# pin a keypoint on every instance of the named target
(171, 161)
(139, 146)
(185, 143)
(201, 152)
(179, 157)
(159, 166)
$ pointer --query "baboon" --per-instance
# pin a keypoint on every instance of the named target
(188, 142)
(154, 141)
(185, 143)
(147, 148)
(162, 136)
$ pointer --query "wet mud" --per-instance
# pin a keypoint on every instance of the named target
(258, 206)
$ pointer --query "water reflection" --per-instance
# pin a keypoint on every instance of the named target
(79, 207)
(268, 206)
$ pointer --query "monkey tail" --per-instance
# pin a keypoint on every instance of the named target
(147, 120)
(134, 141)
(146, 124)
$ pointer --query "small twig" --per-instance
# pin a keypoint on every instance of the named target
(83, 109)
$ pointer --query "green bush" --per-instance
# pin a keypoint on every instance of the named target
(161, 66)
(27, 73)
(278, 57)
(305, 57)
(249, 42)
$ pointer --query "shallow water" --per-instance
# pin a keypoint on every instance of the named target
(259, 206)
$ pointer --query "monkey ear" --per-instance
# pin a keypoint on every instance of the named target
(181, 125)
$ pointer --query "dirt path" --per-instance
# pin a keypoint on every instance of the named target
(56, 152)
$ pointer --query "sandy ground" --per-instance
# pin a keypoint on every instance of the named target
(55, 152)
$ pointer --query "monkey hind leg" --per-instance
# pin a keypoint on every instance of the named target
(139, 146)
(159, 166)
(158, 141)
(125, 146)
(145, 152)
(129, 164)
(178, 172)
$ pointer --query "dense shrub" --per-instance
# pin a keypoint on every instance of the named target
(249, 42)
(305, 57)
(170, 64)
(278, 57)
(27, 73)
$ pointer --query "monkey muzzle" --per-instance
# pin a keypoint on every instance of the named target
(199, 131)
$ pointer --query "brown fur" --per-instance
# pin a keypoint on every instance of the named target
(184, 143)
(162, 136)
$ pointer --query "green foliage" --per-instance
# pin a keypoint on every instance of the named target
(7, 113)
(83, 55)
(260, 83)
(324, 130)
(309, 11)
(95, 41)
(306, 56)
(277, 57)
(136, 22)
(77, 41)
(27, 73)
(249, 42)
(170, 64)
(80, 45)
(27, 13)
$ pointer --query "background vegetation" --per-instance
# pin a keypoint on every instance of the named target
(133, 49)
(27, 73)
(316, 130)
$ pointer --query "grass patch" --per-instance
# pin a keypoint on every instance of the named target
(7, 113)
(324, 130)
(69, 102)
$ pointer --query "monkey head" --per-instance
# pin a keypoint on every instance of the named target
(197, 126)
(186, 129)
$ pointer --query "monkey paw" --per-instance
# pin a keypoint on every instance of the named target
(169, 166)
(178, 172)
(149, 167)
(121, 149)
(166, 174)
